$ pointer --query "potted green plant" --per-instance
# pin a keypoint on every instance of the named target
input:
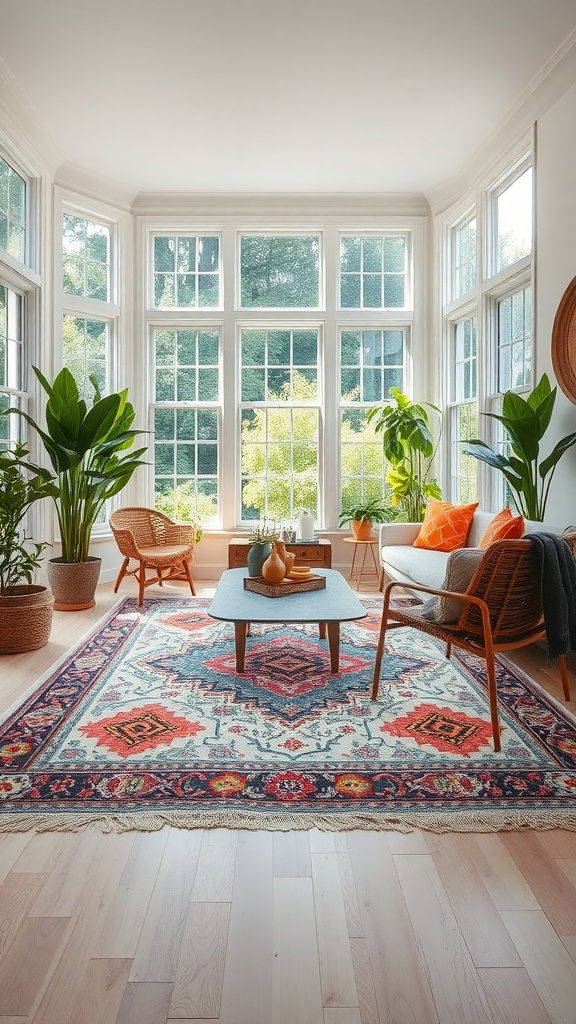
(88, 451)
(25, 607)
(261, 537)
(525, 421)
(409, 448)
(361, 516)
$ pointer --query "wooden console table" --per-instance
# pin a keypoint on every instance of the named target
(317, 554)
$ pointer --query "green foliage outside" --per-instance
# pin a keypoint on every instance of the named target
(280, 455)
(279, 271)
(181, 504)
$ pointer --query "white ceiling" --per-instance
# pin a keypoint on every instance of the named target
(274, 96)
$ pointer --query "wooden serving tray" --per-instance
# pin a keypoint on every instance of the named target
(258, 585)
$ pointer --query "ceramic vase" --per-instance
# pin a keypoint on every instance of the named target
(273, 569)
(257, 555)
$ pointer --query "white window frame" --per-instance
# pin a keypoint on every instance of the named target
(247, 218)
(185, 325)
(394, 311)
(113, 312)
(482, 301)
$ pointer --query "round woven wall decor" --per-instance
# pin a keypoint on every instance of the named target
(564, 342)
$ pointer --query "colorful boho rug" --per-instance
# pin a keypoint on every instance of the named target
(148, 723)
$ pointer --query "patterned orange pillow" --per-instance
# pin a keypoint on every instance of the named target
(445, 526)
(504, 526)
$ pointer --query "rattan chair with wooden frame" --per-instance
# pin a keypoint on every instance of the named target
(502, 611)
(155, 542)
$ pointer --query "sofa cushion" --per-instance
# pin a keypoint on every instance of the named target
(504, 526)
(445, 526)
(460, 568)
(417, 564)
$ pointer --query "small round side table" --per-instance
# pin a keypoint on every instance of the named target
(364, 567)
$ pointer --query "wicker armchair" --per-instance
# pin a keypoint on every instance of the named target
(502, 611)
(155, 542)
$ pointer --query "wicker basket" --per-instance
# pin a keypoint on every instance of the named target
(73, 583)
(25, 619)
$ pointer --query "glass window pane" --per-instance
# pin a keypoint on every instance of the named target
(164, 254)
(350, 385)
(514, 221)
(13, 192)
(86, 257)
(305, 348)
(395, 255)
(350, 249)
(372, 291)
(350, 291)
(186, 258)
(350, 348)
(279, 348)
(372, 255)
(85, 348)
(394, 291)
(279, 271)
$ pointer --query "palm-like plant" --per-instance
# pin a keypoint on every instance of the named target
(526, 421)
(410, 450)
(88, 451)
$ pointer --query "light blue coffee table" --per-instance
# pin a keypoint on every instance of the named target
(329, 607)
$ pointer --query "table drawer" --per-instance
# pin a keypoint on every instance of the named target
(317, 556)
(307, 555)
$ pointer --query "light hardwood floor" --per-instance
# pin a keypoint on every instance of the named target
(282, 928)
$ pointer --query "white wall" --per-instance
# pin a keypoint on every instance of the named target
(555, 269)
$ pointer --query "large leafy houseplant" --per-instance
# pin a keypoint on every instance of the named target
(21, 485)
(409, 448)
(25, 607)
(525, 421)
(88, 449)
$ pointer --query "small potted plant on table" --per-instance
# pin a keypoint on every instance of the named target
(362, 515)
(262, 536)
(25, 607)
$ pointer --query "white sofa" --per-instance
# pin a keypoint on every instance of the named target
(401, 561)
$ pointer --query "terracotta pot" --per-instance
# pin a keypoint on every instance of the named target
(73, 583)
(25, 619)
(362, 530)
(273, 569)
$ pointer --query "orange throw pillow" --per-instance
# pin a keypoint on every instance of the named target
(445, 526)
(504, 526)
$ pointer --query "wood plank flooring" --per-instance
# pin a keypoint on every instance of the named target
(264, 927)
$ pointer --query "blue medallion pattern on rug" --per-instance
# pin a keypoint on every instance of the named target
(149, 713)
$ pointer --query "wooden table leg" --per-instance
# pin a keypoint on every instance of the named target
(322, 630)
(240, 631)
(334, 645)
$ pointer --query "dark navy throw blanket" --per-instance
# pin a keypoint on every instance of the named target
(558, 568)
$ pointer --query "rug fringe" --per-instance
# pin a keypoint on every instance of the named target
(451, 821)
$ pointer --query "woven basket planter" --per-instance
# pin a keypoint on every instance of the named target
(25, 619)
(73, 583)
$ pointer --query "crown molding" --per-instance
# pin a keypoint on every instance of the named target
(36, 150)
(94, 186)
(281, 204)
(554, 79)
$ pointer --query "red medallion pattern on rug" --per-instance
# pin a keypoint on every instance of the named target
(149, 715)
